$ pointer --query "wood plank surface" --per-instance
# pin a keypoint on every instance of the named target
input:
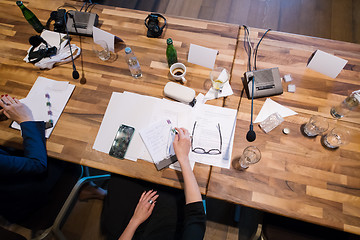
(75, 133)
(296, 176)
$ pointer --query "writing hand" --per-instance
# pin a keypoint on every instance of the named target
(182, 144)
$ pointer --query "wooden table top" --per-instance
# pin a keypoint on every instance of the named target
(76, 130)
(296, 176)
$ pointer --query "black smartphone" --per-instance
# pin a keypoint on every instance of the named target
(121, 141)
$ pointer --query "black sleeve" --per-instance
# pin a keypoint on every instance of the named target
(194, 221)
(34, 160)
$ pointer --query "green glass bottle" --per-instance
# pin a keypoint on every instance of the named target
(171, 54)
(30, 17)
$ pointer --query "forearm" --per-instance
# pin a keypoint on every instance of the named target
(34, 161)
(191, 188)
(33, 134)
(129, 230)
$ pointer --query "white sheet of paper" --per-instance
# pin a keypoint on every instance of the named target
(157, 140)
(200, 99)
(271, 107)
(131, 109)
(141, 111)
(59, 91)
(327, 64)
(206, 134)
(109, 38)
(53, 38)
(226, 91)
(202, 56)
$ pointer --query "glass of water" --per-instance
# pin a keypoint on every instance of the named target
(336, 137)
(251, 155)
(101, 50)
(219, 76)
(316, 125)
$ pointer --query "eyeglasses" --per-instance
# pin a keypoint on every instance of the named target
(201, 150)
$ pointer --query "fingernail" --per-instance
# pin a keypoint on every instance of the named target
(2, 95)
(6, 95)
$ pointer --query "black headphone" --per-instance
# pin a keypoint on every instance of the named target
(41, 52)
(152, 24)
(59, 22)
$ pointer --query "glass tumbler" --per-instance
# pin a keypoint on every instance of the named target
(336, 137)
(219, 76)
(350, 103)
(251, 155)
(316, 125)
(101, 50)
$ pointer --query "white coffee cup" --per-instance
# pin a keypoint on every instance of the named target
(178, 72)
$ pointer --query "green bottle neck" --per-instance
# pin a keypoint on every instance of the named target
(20, 4)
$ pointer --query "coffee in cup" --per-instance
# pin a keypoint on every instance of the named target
(178, 72)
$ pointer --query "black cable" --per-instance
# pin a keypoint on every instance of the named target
(83, 79)
(89, 5)
(257, 46)
(83, 6)
(67, 5)
(92, 6)
(75, 73)
(247, 46)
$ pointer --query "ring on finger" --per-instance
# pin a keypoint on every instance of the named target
(7, 104)
(151, 201)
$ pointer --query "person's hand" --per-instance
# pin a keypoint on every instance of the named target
(145, 207)
(15, 110)
(182, 144)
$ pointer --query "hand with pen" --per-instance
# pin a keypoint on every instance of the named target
(182, 145)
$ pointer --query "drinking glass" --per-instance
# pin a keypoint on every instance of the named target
(350, 103)
(101, 50)
(336, 137)
(251, 155)
(219, 76)
(316, 125)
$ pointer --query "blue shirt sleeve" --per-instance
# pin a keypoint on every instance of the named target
(34, 160)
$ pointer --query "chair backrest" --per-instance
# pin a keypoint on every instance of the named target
(8, 235)
(44, 217)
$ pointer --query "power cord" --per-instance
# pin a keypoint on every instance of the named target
(252, 52)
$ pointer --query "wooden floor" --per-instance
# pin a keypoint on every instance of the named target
(332, 19)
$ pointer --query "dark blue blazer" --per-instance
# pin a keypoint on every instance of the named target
(24, 178)
(34, 160)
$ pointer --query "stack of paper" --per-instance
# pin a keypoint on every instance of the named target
(58, 93)
(141, 111)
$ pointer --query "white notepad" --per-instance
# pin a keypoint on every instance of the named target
(59, 92)
(158, 138)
